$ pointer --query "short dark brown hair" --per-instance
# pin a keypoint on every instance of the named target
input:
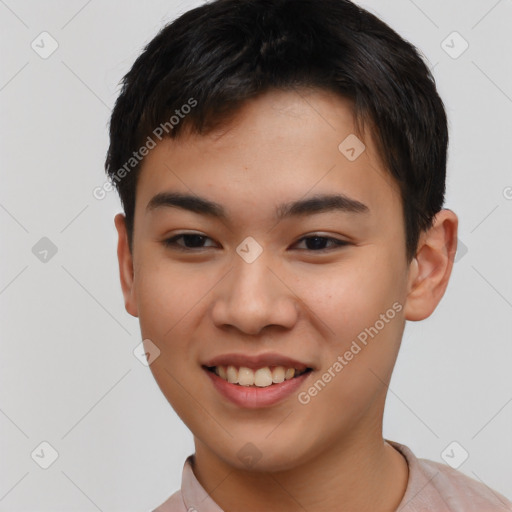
(220, 55)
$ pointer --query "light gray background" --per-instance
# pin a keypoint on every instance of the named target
(68, 373)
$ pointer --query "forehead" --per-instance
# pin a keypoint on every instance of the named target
(277, 148)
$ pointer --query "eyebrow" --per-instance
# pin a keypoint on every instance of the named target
(317, 204)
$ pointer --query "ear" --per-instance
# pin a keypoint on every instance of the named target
(126, 272)
(431, 268)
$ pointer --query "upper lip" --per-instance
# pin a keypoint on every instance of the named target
(256, 361)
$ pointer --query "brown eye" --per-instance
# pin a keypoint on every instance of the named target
(190, 241)
(317, 243)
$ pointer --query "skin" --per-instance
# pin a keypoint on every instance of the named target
(294, 299)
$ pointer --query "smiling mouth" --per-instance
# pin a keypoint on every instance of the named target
(256, 378)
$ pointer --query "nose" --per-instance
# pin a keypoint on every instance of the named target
(253, 296)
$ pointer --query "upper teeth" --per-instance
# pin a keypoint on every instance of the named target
(262, 377)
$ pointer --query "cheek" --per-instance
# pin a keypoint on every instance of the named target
(361, 304)
(167, 292)
(351, 295)
(167, 302)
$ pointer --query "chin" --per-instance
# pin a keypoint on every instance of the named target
(261, 455)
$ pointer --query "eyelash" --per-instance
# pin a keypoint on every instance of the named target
(171, 242)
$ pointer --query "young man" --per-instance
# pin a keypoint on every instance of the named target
(281, 164)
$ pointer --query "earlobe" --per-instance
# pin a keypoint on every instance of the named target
(126, 268)
(430, 270)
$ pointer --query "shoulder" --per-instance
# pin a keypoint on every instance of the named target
(173, 504)
(462, 492)
(433, 486)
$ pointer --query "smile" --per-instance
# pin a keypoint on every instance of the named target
(262, 392)
(261, 377)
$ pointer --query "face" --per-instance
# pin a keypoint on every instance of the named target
(288, 252)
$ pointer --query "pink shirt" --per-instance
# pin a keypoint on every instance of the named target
(431, 487)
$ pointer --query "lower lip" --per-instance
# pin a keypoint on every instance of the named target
(254, 397)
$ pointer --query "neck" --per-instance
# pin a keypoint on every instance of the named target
(361, 473)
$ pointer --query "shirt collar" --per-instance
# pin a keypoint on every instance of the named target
(194, 495)
(196, 499)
